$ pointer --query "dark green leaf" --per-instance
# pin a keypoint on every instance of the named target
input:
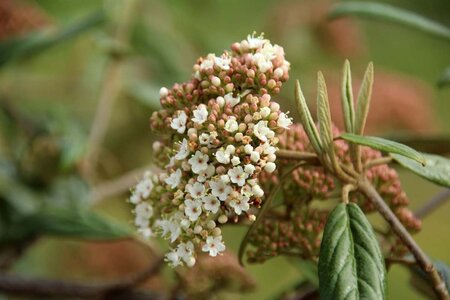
(384, 145)
(436, 169)
(351, 265)
(36, 42)
(392, 14)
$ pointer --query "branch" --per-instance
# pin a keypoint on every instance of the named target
(16, 285)
(420, 256)
(109, 93)
(433, 203)
(297, 155)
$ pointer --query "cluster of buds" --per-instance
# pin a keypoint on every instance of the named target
(298, 229)
(220, 133)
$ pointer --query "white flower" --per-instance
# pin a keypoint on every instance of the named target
(169, 227)
(223, 156)
(256, 42)
(172, 258)
(220, 189)
(141, 221)
(215, 81)
(204, 139)
(208, 173)
(174, 179)
(248, 149)
(196, 190)
(193, 209)
(269, 51)
(249, 168)
(185, 251)
(235, 160)
(231, 149)
(163, 92)
(146, 232)
(200, 114)
(240, 205)
(171, 163)
(179, 124)
(229, 99)
(270, 167)
(183, 152)
(199, 162)
(211, 203)
(255, 156)
(284, 121)
(267, 149)
(262, 131)
(144, 187)
(265, 111)
(231, 125)
(257, 191)
(208, 63)
(144, 210)
(135, 198)
(225, 178)
(223, 62)
(261, 61)
(214, 245)
(237, 175)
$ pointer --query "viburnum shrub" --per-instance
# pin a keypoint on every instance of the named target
(229, 154)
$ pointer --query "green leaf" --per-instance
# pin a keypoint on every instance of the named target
(323, 113)
(363, 103)
(306, 119)
(445, 78)
(70, 223)
(384, 145)
(351, 265)
(436, 169)
(392, 14)
(348, 108)
(36, 42)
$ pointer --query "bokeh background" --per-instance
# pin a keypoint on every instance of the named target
(127, 54)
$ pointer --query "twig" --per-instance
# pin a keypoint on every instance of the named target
(421, 258)
(377, 162)
(108, 95)
(119, 185)
(297, 155)
(433, 203)
(16, 285)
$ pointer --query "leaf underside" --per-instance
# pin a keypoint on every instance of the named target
(351, 265)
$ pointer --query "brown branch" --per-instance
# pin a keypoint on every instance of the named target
(423, 261)
(17, 285)
(433, 203)
(296, 155)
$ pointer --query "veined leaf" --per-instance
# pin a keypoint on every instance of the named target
(351, 265)
(390, 13)
(306, 119)
(323, 113)
(363, 103)
(348, 107)
(384, 145)
(436, 169)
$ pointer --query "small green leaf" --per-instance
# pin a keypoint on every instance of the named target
(363, 103)
(348, 107)
(323, 112)
(436, 168)
(384, 145)
(306, 119)
(351, 265)
(392, 14)
(70, 223)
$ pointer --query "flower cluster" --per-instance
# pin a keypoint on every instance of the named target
(298, 229)
(220, 132)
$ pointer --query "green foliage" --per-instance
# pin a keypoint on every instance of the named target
(384, 145)
(363, 103)
(323, 113)
(435, 169)
(348, 108)
(390, 13)
(351, 265)
(38, 42)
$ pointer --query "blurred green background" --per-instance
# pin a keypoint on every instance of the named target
(165, 39)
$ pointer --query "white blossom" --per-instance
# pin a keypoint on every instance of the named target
(237, 175)
(199, 162)
(229, 99)
(214, 245)
(231, 125)
(208, 173)
(174, 179)
(270, 167)
(200, 114)
(284, 121)
(196, 190)
(220, 189)
(223, 156)
(208, 63)
(204, 139)
(172, 258)
(223, 62)
(249, 168)
(256, 42)
(240, 205)
(183, 152)
(163, 92)
(185, 251)
(262, 131)
(235, 160)
(211, 203)
(257, 191)
(193, 209)
(179, 123)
